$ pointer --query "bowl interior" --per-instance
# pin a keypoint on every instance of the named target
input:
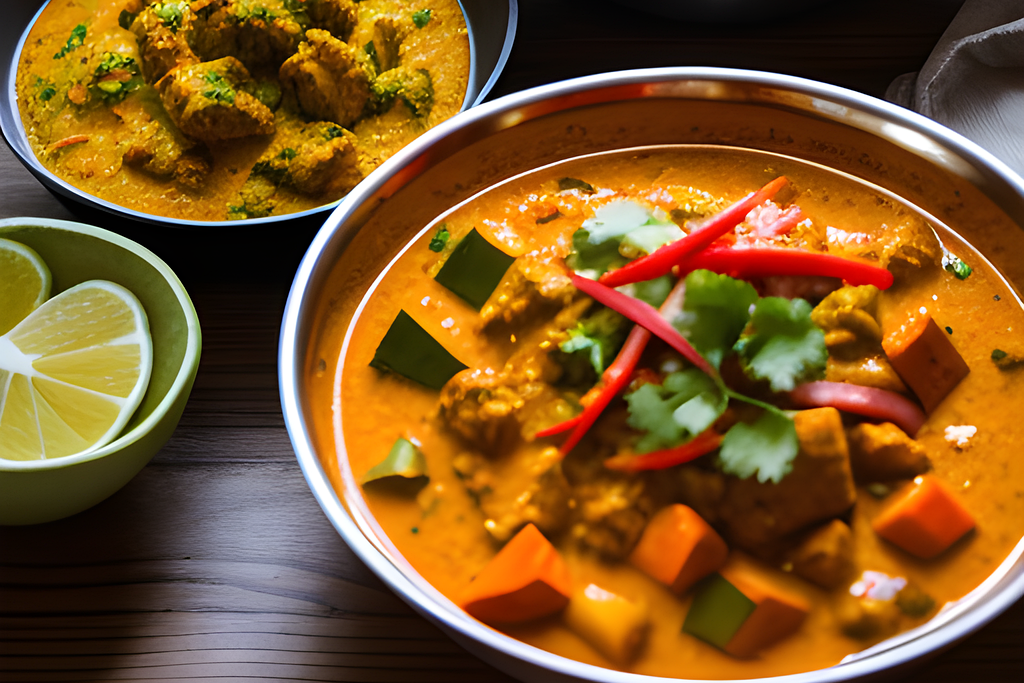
(927, 165)
(491, 28)
(75, 253)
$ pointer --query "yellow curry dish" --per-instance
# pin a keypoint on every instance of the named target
(688, 411)
(215, 110)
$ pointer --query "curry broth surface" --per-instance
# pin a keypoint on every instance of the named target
(96, 166)
(441, 533)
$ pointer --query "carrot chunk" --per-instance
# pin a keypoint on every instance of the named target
(526, 580)
(926, 360)
(742, 610)
(924, 518)
(678, 548)
(614, 626)
(777, 614)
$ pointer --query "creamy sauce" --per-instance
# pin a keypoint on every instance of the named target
(441, 533)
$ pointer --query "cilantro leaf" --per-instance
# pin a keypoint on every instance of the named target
(421, 17)
(765, 448)
(715, 312)
(597, 258)
(600, 335)
(671, 413)
(782, 344)
(653, 292)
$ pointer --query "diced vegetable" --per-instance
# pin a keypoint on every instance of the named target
(642, 314)
(614, 626)
(661, 261)
(718, 611)
(404, 460)
(925, 359)
(742, 611)
(409, 350)
(700, 445)
(474, 269)
(867, 401)
(923, 518)
(678, 548)
(526, 580)
(778, 613)
(749, 263)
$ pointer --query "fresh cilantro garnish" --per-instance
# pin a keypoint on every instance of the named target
(371, 51)
(653, 292)
(684, 405)
(766, 447)
(220, 90)
(334, 132)
(619, 231)
(782, 344)
(74, 41)
(600, 335)
(574, 184)
(596, 258)
(47, 93)
(952, 263)
(998, 355)
(421, 17)
(112, 61)
(169, 14)
(715, 312)
(287, 153)
(440, 238)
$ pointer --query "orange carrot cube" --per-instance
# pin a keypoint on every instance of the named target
(924, 518)
(777, 614)
(926, 360)
(678, 548)
(526, 580)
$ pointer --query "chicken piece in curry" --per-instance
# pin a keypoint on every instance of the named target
(680, 412)
(212, 110)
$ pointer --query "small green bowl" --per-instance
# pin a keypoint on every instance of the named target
(44, 490)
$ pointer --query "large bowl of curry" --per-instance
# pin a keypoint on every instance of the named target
(688, 373)
(217, 111)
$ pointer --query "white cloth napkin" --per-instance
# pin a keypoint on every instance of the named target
(973, 81)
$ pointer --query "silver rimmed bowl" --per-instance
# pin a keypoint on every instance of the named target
(491, 27)
(902, 152)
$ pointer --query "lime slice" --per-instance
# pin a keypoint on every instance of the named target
(24, 283)
(73, 372)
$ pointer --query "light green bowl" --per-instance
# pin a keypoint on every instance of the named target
(45, 490)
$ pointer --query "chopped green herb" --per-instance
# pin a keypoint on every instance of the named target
(633, 225)
(415, 530)
(949, 330)
(1006, 361)
(914, 602)
(404, 460)
(409, 350)
(596, 258)
(998, 355)
(599, 335)
(74, 41)
(47, 93)
(267, 92)
(440, 238)
(334, 132)
(996, 298)
(715, 312)
(220, 90)
(952, 263)
(112, 61)
(653, 292)
(683, 406)
(169, 14)
(550, 217)
(286, 153)
(421, 17)
(765, 447)
(782, 344)
(474, 269)
(125, 19)
(574, 184)
(371, 51)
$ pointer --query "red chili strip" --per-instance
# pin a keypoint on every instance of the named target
(868, 401)
(642, 313)
(661, 260)
(756, 262)
(702, 444)
(562, 426)
(70, 140)
(615, 377)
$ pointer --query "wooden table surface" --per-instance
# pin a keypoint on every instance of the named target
(215, 561)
